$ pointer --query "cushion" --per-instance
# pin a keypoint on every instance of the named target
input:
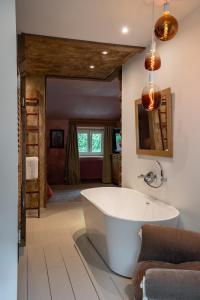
(173, 284)
(143, 266)
(169, 244)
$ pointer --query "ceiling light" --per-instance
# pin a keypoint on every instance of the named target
(125, 29)
(105, 52)
(92, 67)
(167, 26)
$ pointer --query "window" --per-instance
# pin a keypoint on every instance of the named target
(90, 141)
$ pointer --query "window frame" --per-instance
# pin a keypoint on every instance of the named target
(89, 131)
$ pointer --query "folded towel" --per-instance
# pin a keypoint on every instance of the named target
(31, 168)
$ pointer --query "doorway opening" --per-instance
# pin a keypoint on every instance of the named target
(83, 135)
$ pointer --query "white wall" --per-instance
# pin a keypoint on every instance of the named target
(8, 152)
(180, 71)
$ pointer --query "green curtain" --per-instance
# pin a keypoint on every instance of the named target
(107, 172)
(72, 165)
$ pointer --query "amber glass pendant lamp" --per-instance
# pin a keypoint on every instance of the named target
(166, 26)
(151, 94)
(152, 59)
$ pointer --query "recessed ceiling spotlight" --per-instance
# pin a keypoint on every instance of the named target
(125, 29)
(92, 67)
(105, 52)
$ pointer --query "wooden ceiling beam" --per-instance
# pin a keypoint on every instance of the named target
(68, 58)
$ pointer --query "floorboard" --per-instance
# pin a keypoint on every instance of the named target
(112, 286)
(38, 280)
(61, 288)
(22, 275)
(82, 285)
(60, 263)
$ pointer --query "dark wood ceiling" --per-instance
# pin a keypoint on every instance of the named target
(49, 56)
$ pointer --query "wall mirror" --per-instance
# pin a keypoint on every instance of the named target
(154, 129)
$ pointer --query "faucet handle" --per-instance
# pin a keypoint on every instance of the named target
(141, 176)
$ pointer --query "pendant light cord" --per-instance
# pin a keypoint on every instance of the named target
(153, 20)
(153, 43)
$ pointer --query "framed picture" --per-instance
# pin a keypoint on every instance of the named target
(56, 138)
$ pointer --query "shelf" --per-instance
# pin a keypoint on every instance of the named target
(33, 118)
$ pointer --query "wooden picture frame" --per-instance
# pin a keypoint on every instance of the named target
(57, 138)
(167, 141)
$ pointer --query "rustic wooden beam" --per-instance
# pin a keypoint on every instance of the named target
(68, 58)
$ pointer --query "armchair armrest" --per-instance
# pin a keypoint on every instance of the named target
(169, 244)
(164, 284)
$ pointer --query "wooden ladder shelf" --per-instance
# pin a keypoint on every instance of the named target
(33, 150)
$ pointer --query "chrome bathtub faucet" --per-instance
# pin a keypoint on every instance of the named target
(151, 177)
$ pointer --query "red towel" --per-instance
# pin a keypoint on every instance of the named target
(49, 192)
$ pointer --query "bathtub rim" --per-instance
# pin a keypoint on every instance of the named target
(148, 197)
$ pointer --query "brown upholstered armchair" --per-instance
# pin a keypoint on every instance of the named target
(166, 256)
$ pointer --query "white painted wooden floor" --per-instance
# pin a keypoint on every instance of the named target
(54, 267)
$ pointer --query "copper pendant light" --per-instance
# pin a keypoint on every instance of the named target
(152, 60)
(151, 95)
(167, 26)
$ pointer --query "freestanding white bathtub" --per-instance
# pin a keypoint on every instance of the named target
(113, 218)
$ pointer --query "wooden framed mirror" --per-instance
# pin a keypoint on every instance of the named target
(154, 134)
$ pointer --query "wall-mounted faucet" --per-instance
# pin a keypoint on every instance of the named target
(150, 178)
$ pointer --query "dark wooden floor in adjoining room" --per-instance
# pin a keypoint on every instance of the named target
(54, 267)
